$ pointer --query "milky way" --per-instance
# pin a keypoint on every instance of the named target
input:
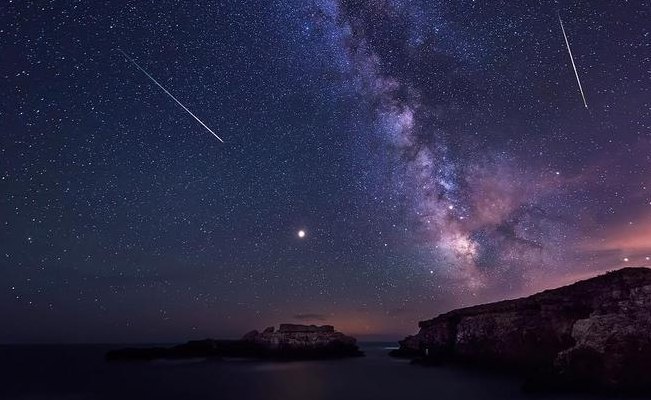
(484, 219)
(434, 154)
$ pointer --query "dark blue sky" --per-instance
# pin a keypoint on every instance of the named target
(437, 154)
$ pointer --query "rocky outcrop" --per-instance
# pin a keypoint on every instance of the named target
(289, 342)
(304, 341)
(207, 348)
(594, 334)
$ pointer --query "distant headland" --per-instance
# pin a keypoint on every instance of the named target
(289, 342)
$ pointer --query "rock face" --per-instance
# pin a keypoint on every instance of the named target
(592, 334)
(309, 340)
(289, 342)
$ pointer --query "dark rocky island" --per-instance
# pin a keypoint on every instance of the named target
(289, 342)
(591, 335)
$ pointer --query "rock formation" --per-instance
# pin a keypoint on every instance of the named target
(288, 343)
(593, 334)
(304, 341)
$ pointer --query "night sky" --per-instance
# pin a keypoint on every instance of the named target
(435, 154)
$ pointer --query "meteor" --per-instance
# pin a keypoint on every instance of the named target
(576, 73)
(168, 93)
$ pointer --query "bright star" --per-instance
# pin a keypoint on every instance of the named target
(301, 234)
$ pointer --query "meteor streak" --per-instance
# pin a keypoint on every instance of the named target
(168, 93)
(576, 73)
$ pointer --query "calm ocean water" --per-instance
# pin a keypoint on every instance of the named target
(80, 372)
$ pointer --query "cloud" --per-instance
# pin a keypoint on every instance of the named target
(628, 237)
(311, 317)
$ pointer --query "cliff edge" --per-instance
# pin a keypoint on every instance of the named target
(593, 334)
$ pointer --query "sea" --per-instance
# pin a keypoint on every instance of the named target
(75, 372)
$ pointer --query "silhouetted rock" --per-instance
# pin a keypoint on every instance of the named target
(289, 342)
(304, 341)
(207, 348)
(594, 334)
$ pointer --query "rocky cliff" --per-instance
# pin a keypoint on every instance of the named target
(592, 334)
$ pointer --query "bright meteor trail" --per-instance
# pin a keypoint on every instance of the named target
(576, 73)
(168, 93)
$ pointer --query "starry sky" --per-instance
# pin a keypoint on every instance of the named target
(434, 154)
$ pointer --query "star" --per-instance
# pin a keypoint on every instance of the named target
(403, 134)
